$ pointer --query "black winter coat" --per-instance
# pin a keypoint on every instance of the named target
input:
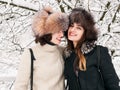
(91, 78)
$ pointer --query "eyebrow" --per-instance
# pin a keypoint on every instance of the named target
(79, 24)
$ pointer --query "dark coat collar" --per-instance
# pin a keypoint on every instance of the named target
(85, 48)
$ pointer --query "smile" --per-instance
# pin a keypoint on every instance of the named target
(72, 34)
(59, 39)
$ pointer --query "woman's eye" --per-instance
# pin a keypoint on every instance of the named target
(79, 28)
(71, 25)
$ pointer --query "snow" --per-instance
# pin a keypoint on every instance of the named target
(22, 3)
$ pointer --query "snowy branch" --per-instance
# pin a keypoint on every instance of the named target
(118, 9)
(24, 4)
(103, 15)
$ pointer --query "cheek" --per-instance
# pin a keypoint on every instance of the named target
(68, 33)
(54, 36)
(79, 37)
(80, 34)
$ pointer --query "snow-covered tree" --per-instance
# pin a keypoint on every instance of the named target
(16, 32)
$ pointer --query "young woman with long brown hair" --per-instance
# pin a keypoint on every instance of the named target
(83, 71)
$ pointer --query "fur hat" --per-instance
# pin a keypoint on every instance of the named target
(46, 21)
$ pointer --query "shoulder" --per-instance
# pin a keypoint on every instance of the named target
(104, 53)
(26, 51)
(102, 48)
(36, 46)
(25, 57)
(67, 53)
(61, 49)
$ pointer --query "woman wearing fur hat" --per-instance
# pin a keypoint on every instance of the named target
(87, 65)
(48, 27)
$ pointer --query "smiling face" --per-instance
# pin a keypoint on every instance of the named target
(75, 33)
(56, 37)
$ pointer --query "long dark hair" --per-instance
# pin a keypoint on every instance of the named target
(85, 19)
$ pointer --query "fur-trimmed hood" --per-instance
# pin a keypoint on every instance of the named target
(47, 21)
(85, 48)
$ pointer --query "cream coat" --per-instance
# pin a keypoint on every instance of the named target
(48, 69)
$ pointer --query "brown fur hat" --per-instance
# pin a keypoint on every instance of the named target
(46, 21)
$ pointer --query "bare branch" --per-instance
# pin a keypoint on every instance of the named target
(103, 15)
(116, 13)
(20, 6)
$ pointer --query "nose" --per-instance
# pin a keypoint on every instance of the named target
(61, 33)
(71, 29)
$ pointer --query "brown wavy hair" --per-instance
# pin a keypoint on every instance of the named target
(43, 39)
(85, 19)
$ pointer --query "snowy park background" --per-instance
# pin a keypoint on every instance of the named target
(16, 33)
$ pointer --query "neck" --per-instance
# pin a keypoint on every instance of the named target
(50, 43)
(75, 44)
(47, 47)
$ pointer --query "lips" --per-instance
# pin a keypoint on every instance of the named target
(59, 39)
(72, 34)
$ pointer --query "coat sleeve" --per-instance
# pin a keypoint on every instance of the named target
(111, 80)
(23, 75)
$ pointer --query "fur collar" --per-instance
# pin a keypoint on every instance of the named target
(85, 48)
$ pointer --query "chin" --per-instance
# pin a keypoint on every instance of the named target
(71, 39)
(57, 43)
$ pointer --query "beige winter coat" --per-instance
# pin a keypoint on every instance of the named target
(48, 69)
